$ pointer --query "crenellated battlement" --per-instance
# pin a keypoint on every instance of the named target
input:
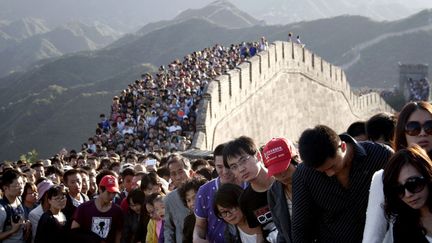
(280, 92)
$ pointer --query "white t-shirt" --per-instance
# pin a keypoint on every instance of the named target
(246, 238)
(289, 203)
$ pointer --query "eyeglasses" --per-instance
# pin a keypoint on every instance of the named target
(241, 162)
(60, 198)
(226, 213)
(413, 128)
(413, 184)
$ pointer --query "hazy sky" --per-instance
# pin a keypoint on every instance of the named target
(132, 14)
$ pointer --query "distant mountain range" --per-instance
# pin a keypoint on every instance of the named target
(28, 40)
(289, 11)
(221, 13)
(131, 14)
(56, 102)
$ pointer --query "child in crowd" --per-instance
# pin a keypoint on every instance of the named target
(188, 193)
(156, 209)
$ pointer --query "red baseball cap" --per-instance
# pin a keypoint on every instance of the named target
(110, 183)
(277, 155)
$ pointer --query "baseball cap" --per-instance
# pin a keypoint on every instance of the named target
(277, 155)
(43, 187)
(110, 183)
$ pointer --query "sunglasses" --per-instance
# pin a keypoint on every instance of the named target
(413, 184)
(413, 128)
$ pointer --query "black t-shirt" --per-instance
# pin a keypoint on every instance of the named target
(255, 207)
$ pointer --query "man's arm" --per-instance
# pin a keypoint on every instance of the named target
(13, 230)
(200, 230)
(169, 227)
(302, 218)
(376, 222)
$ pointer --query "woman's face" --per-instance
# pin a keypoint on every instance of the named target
(150, 189)
(58, 202)
(231, 215)
(414, 200)
(31, 195)
(136, 207)
(423, 139)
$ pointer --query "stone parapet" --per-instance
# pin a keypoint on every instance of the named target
(280, 92)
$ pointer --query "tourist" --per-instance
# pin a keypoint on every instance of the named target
(331, 186)
(407, 184)
(243, 158)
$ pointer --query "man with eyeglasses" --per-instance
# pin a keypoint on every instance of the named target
(243, 158)
(14, 227)
(208, 227)
(331, 186)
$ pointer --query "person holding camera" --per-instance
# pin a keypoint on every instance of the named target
(14, 226)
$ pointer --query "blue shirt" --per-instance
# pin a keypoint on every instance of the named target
(204, 210)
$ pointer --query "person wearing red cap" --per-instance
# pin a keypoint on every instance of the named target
(101, 216)
(281, 159)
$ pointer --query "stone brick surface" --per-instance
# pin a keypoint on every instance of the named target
(280, 96)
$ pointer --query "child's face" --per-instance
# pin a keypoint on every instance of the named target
(159, 209)
(190, 199)
(150, 210)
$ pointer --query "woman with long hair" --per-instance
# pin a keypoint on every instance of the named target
(136, 218)
(413, 126)
(408, 201)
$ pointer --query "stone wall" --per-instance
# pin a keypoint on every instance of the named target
(279, 92)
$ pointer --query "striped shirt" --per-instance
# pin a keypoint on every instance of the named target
(325, 211)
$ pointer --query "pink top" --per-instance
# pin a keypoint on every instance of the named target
(158, 227)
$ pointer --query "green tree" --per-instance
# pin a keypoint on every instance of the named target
(30, 157)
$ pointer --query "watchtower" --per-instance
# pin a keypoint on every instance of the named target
(414, 82)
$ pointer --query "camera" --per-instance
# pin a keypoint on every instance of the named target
(16, 218)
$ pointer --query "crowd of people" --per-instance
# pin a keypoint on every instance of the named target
(370, 184)
(157, 113)
(419, 89)
(128, 183)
